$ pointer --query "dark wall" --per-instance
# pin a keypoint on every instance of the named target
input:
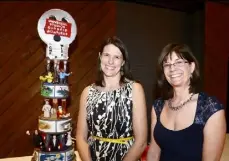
(146, 30)
(195, 25)
(217, 52)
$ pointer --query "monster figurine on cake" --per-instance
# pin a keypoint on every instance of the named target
(52, 139)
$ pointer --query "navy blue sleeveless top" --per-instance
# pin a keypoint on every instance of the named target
(185, 144)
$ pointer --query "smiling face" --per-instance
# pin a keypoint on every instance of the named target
(178, 71)
(111, 60)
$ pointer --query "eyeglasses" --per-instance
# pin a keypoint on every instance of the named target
(176, 64)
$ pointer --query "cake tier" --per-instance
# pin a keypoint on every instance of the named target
(50, 90)
(54, 125)
(66, 155)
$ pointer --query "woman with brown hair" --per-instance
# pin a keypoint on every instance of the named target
(187, 125)
(112, 122)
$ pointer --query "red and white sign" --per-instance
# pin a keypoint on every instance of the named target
(59, 28)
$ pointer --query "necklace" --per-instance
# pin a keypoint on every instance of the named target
(175, 108)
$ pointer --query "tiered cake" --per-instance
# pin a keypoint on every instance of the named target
(53, 139)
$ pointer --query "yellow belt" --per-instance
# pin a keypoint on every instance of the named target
(119, 141)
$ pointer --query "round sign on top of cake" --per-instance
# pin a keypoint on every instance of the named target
(57, 29)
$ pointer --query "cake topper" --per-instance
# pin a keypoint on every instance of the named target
(69, 139)
(57, 29)
(37, 139)
(47, 78)
(47, 109)
(62, 74)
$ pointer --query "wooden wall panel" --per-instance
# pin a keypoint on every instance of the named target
(22, 62)
(216, 50)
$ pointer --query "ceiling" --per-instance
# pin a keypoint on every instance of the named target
(179, 5)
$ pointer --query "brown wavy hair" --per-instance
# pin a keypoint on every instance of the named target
(183, 52)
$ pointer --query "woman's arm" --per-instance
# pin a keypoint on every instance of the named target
(82, 129)
(154, 150)
(214, 137)
(139, 124)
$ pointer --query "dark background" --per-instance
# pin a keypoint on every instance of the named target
(146, 30)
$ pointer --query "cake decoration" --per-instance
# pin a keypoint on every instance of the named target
(52, 138)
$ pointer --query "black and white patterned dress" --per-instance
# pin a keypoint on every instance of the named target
(109, 115)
